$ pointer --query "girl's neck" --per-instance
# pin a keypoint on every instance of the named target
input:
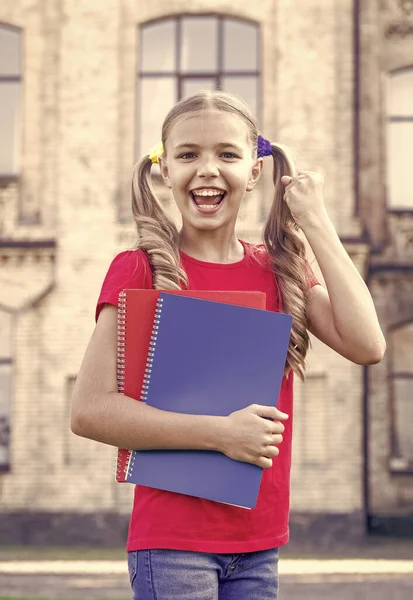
(210, 248)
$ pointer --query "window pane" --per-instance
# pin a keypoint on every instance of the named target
(400, 94)
(5, 408)
(404, 416)
(315, 421)
(9, 51)
(245, 88)
(5, 334)
(9, 127)
(192, 86)
(399, 153)
(158, 47)
(240, 46)
(199, 44)
(157, 96)
(402, 349)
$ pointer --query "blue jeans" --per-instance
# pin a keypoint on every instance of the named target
(183, 575)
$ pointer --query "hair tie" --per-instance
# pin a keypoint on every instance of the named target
(156, 152)
(264, 147)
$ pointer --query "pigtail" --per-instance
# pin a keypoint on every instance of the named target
(286, 252)
(157, 234)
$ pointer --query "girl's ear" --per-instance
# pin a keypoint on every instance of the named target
(255, 174)
(164, 171)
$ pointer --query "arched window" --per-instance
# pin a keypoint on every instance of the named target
(400, 139)
(401, 352)
(10, 84)
(181, 55)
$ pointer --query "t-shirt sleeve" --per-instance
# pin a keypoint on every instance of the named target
(311, 278)
(129, 269)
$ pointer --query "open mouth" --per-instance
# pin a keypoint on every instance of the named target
(208, 200)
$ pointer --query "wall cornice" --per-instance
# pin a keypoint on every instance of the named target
(27, 272)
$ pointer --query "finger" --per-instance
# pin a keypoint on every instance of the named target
(265, 463)
(271, 451)
(276, 439)
(280, 415)
(269, 412)
(277, 428)
(286, 179)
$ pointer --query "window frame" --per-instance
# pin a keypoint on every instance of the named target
(5, 467)
(6, 178)
(389, 118)
(397, 463)
(181, 76)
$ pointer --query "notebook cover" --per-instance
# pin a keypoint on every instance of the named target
(136, 314)
(210, 358)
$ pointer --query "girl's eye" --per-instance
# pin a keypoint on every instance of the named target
(190, 155)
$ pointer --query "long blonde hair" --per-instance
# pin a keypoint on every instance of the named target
(159, 238)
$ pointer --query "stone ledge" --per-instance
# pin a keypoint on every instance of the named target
(324, 531)
(308, 531)
(63, 529)
(319, 531)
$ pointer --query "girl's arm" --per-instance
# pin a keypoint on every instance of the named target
(343, 315)
(100, 413)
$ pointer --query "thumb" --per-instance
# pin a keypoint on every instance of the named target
(285, 179)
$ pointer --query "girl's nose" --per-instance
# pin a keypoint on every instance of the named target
(208, 168)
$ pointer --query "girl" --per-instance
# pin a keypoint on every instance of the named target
(211, 155)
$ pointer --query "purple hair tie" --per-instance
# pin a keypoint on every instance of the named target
(264, 147)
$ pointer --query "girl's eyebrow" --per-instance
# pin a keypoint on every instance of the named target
(220, 145)
(188, 145)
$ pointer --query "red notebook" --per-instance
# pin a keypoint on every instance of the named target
(136, 313)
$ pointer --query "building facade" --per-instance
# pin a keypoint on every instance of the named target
(84, 87)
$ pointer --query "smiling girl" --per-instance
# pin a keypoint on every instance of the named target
(212, 155)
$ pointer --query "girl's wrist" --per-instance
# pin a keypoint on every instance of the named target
(315, 222)
(218, 433)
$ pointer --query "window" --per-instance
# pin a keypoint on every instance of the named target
(399, 139)
(10, 91)
(180, 56)
(314, 417)
(5, 389)
(401, 344)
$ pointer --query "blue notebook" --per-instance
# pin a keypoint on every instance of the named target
(210, 358)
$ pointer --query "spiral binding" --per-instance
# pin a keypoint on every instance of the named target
(151, 353)
(121, 342)
(125, 458)
(123, 455)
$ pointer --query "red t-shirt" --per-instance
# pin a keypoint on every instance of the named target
(168, 520)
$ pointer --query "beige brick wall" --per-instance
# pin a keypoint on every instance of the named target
(390, 492)
(327, 464)
(387, 48)
(79, 81)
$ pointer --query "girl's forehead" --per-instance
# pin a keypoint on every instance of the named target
(209, 127)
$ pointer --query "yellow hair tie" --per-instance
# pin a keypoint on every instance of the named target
(156, 152)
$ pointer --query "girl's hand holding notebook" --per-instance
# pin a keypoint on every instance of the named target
(249, 437)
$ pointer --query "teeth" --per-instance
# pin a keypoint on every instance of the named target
(207, 193)
(208, 205)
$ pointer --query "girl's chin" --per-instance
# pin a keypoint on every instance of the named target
(202, 223)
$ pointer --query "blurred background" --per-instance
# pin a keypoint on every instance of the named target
(84, 88)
